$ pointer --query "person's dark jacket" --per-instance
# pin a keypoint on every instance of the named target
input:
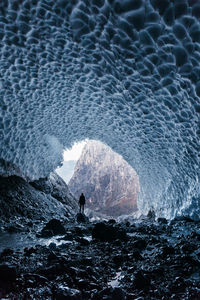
(82, 199)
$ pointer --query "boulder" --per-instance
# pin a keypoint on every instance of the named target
(140, 244)
(53, 227)
(141, 281)
(117, 294)
(83, 241)
(64, 292)
(167, 250)
(151, 214)
(136, 255)
(106, 232)
(112, 221)
(162, 221)
(7, 252)
(81, 218)
(118, 259)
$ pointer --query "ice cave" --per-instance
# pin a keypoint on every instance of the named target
(123, 72)
(126, 73)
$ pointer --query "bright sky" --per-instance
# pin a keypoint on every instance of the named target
(75, 152)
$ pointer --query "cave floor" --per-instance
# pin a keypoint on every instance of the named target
(155, 260)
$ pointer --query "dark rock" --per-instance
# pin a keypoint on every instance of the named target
(36, 278)
(136, 255)
(52, 257)
(45, 233)
(7, 272)
(65, 293)
(87, 261)
(78, 231)
(117, 294)
(83, 242)
(181, 219)
(162, 221)
(151, 215)
(195, 235)
(188, 247)
(53, 227)
(106, 232)
(14, 228)
(140, 244)
(82, 284)
(118, 259)
(104, 293)
(112, 221)
(167, 250)
(28, 252)
(52, 271)
(52, 246)
(118, 243)
(81, 218)
(141, 281)
(7, 252)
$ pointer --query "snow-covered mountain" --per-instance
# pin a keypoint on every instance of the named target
(109, 183)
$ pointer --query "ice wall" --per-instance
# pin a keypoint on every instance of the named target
(123, 72)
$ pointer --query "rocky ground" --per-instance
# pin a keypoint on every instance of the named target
(105, 260)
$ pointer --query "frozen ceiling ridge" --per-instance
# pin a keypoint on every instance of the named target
(126, 73)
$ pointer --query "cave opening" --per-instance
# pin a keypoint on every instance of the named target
(110, 185)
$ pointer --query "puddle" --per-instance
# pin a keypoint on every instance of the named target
(21, 241)
(56, 240)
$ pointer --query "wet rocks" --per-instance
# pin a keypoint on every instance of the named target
(7, 252)
(117, 294)
(141, 281)
(162, 221)
(106, 232)
(14, 228)
(167, 250)
(53, 227)
(140, 244)
(141, 261)
(64, 292)
(83, 241)
(81, 218)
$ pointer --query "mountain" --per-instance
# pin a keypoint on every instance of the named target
(109, 183)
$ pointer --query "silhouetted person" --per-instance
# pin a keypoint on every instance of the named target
(82, 203)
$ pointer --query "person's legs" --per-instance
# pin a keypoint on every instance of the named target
(81, 208)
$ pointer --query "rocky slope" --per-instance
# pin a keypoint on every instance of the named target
(38, 200)
(107, 180)
(107, 260)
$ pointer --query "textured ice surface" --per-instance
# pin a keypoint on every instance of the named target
(126, 73)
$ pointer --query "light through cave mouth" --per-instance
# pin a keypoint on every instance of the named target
(109, 183)
(126, 74)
